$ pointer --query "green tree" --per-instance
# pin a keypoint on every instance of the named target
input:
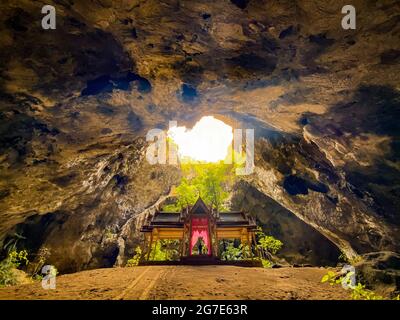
(165, 250)
(268, 246)
(207, 180)
(134, 261)
(187, 193)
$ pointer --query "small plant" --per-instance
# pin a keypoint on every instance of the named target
(232, 253)
(343, 257)
(13, 260)
(266, 263)
(136, 258)
(41, 257)
(12, 243)
(358, 292)
(332, 278)
(171, 208)
(267, 246)
(19, 257)
(165, 250)
(270, 244)
(108, 234)
(37, 277)
(7, 275)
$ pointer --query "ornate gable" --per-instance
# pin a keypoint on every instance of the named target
(200, 207)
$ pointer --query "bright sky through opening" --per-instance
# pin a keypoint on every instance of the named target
(207, 141)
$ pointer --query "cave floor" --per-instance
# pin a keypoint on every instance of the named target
(184, 282)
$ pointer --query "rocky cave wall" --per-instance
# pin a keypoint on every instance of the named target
(77, 101)
(302, 244)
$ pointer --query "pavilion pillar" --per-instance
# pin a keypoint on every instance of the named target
(185, 240)
(251, 243)
(145, 246)
(255, 244)
(181, 247)
(244, 238)
(155, 239)
(150, 245)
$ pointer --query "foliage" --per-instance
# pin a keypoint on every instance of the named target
(12, 243)
(266, 263)
(136, 258)
(267, 243)
(19, 257)
(270, 244)
(165, 250)
(332, 278)
(267, 246)
(207, 180)
(233, 252)
(37, 277)
(41, 257)
(358, 292)
(187, 193)
(13, 260)
(108, 234)
(343, 257)
(172, 207)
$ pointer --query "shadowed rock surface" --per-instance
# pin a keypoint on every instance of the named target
(77, 101)
(302, 244)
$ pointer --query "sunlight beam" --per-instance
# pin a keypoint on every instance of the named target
(207, 141)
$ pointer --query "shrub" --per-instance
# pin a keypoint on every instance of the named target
(7, 267)
(358, 292)
(270, 244)
(136, 258)
(40, 260)
(232, 253)
(165, 250)
(267, 245)
(266, 263)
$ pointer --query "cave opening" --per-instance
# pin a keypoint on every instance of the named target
(203, 150)
(207, 141)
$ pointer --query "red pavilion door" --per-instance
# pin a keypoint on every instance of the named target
(200, 241)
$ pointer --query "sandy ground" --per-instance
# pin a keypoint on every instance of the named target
(184, 282)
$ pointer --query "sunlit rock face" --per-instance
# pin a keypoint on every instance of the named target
(77, 101)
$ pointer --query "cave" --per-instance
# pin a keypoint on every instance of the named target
(317, 104)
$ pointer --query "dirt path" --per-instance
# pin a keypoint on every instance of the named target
(184, 282)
